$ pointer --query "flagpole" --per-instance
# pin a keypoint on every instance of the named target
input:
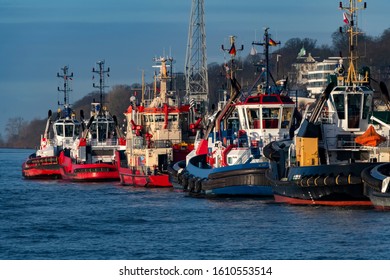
(267, 41)
(101, 71)
(66, 76)
(233, 52)
(350, 19)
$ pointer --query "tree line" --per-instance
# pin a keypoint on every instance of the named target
(20, 133)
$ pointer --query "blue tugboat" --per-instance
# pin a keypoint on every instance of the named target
(228, 160)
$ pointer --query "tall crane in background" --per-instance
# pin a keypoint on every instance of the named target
(196, 76)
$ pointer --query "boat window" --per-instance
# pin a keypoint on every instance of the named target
(244, 122)
(102, 131)
(159, 118)
(253, 99)
(270, 117)
(60, 130)
(148, 118)
(233, 124)
(69, 130)
(286, 99)
(111, 130)
(354, 105)
(93, 130)
(340, 107)
(367, 105)
(253, 117)
(270, 99)
(172, 118)
(77, 129)
(286, 117)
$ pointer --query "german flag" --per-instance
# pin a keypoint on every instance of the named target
(232, 50)
(272, 42)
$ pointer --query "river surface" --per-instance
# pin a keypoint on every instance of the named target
(60, 220)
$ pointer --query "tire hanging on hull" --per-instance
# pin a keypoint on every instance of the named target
(340, 179)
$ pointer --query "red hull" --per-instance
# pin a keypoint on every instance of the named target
(89, 172)
(127, 178)
(41, 168)
(296, 201)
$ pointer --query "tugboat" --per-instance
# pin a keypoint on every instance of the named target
(92, 156)
(376, 185)
(43, 164)
(322, 164)
(229, 160)
(154, 130)
(376, 179)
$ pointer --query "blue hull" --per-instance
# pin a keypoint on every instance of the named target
(241, 191)
(236, 180)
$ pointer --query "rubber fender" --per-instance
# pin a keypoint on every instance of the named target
(198, 186)
(370, 180)
(353, 180)
(310, 181)
(329, 180)
(185, 181)
(319, 181)
(191, 184)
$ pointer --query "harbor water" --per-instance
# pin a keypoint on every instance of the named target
(57, 220)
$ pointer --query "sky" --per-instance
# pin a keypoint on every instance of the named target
(39, 37)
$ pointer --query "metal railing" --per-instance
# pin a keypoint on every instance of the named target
(141, 143)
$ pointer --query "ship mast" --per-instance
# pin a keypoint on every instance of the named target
(232, 50)
(101, 71)
(267, 42)
(66, 89)
(163, 76)
(351, 20)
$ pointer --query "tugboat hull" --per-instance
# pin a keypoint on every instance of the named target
(332, 185)
(376, 185)
(41, 168)
(236, 180)
(87, 172)
(138, 180)
(130, 177)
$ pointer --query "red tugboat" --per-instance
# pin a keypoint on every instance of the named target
(43, 164)
(92, 156)
(154, 130)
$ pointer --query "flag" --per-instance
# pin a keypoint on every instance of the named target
(272, 42)
(302, 52)
(345, 18)
(232, 50)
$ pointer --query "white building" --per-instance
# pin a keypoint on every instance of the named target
(313, 74)
(318, 79)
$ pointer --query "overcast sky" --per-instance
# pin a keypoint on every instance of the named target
(38, 37)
